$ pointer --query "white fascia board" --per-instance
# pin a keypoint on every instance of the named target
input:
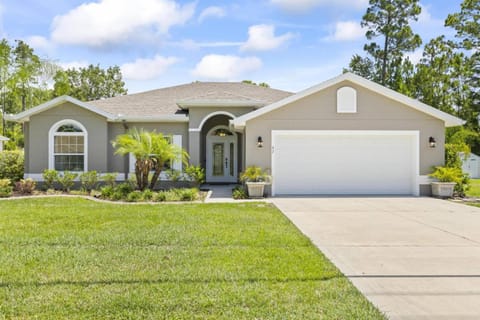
(450, 121)
(25, 115)
(163, 118)
(219, 103)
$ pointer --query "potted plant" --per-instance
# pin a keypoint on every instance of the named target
(255, 178)
(447, 180)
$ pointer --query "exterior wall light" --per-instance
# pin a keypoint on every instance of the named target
(259, 142)
(431, 142)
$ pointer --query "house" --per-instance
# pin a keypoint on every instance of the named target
(2, 141)
(471, 165)
(347, 135)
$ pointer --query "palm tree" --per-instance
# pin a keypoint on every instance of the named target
(151, 151)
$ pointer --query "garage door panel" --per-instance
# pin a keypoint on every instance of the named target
(315, 163)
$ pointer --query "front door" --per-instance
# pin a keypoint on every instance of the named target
(221, 156)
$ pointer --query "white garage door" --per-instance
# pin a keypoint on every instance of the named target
(345, 162)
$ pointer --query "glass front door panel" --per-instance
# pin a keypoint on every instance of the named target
(218, 155)
(232, 159)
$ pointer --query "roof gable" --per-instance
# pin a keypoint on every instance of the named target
(25, 115)
(449, 120)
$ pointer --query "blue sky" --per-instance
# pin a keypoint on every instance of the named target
(290, 44)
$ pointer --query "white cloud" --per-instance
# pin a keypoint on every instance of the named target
(190, 44)
(262, 37)
(114, 21)
(415, 56)
(40, 43)
(73, 64)
(302, 6)
(147, 69)
(225, 67)
(347, 31)
(212, 11)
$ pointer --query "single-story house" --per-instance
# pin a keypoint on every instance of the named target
(347, 135)
(471, 165)
(2, 141)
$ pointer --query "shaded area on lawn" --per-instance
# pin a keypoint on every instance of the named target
(74, 258)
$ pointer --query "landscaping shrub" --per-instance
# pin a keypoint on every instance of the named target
(110, 179)
(25, 186)
(106, 192)
(50, 176)
(11, 165)
(124, 188)
(160, 196)
(173, 175)
(239, 192)
(89, 180)
(147, 195)
(134, 196)
(187, 194)
(66, 180)
(196, 174)
(5, 188)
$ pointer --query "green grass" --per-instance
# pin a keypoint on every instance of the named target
(78, 259)
(474, 190)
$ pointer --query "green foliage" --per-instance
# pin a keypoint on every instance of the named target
(389, 20)
(147, 195)
(50, 176)
(239, 192)
(25, 186)
(261, 84)
(90, 83)
(253, 174)
(11, 165)
(195, 174)
(110, 179)
(173, 175)
(446, 174)
(151, 150)
(134, 196)
(5, 188)
(66, 180)
(89, 180)
(106, 192)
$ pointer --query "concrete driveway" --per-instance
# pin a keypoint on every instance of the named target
(414, 258)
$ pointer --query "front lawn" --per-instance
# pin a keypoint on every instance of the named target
(474, 190)
(74, 258)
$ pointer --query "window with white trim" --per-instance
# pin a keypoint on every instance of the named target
(346, 100)
(174, 165)
(68, 146)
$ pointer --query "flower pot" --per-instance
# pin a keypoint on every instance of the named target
(443, 189)
(255, 189)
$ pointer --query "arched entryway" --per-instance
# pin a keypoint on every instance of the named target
(221, 155)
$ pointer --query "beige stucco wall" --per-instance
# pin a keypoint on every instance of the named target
(40, 124)
(318, 112)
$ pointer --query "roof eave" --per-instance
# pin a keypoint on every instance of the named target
(163, 118)
(185, 105)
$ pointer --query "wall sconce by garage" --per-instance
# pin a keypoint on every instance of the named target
(259, 142)
(431, 142)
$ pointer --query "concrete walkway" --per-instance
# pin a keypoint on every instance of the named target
(414, 258)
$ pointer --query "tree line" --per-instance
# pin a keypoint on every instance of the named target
(26, 80)
(447, 76)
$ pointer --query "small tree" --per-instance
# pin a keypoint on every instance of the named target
(151, 151)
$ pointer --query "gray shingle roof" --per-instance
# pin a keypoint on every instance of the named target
(164, 101)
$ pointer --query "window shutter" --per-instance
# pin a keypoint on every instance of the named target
(177, 140)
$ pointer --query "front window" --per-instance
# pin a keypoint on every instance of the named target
(69, 146)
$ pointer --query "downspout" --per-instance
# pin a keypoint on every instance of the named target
(126, 164)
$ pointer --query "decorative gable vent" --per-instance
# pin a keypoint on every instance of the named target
(346, 100)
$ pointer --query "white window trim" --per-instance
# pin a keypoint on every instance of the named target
(177, 165)
(51, 143)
